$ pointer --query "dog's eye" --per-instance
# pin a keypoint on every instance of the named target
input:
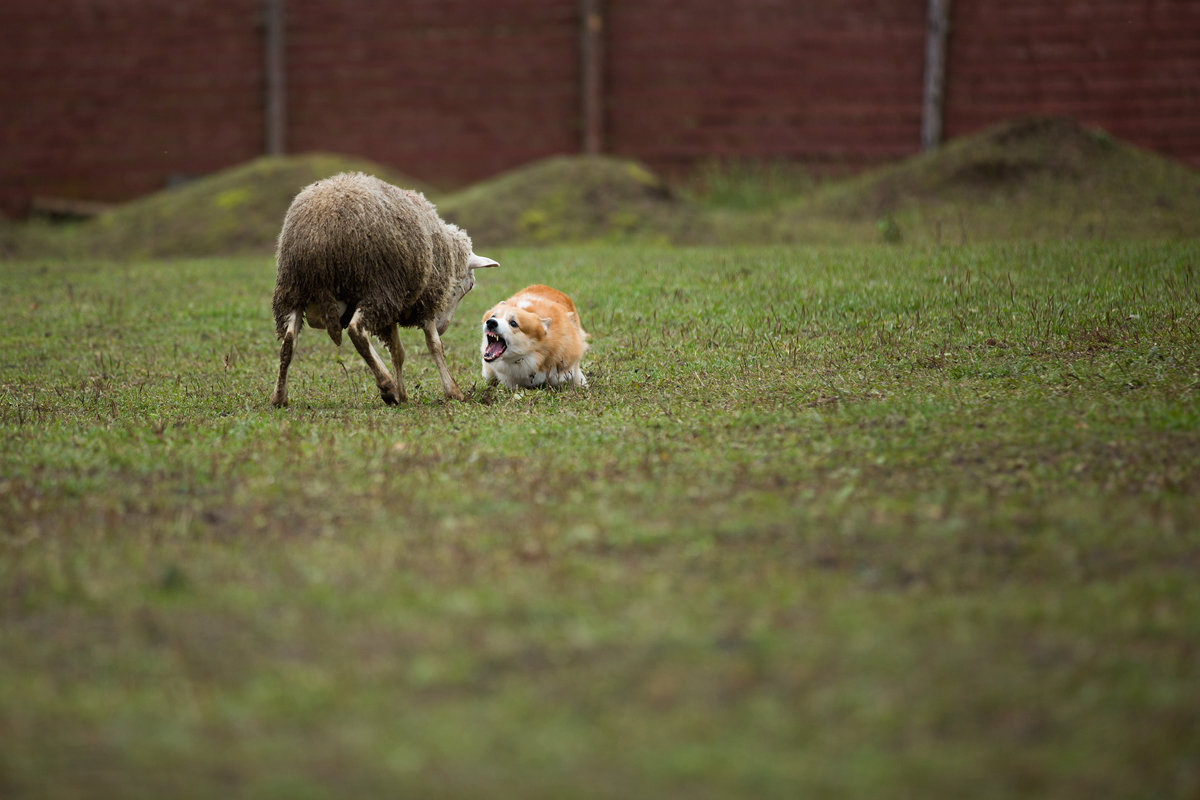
(512, 323)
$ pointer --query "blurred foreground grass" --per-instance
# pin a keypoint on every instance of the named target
(836, 522)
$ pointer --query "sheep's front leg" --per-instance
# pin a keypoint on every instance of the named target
(397, 351)
(434, 343)
(279, 397)
(387, 387)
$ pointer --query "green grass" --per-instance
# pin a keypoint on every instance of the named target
(748, 186)
(828, 522)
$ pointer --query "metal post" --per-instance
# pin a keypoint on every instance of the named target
(935, 73)
(274, 70)
(592, 75)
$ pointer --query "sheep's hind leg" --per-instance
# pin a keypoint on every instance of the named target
(388, 389)
(397, 351)
(292, 332)
(434, 343)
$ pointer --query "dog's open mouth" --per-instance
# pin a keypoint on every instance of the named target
(495, 347)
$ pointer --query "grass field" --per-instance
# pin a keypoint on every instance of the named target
(836, 522)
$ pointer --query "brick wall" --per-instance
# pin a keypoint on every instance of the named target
(822, 81)
(1131, 67)
(107, 99)
(446, 90)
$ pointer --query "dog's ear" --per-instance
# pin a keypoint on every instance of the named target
(546, 322)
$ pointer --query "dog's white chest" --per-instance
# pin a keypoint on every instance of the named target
(522, 374)
(515, 374)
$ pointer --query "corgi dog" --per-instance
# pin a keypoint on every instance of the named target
(533, 338)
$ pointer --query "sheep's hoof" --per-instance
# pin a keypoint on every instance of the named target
(456, 395)
(391, 395)
(279, 401)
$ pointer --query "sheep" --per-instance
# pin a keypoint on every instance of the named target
(360, 254)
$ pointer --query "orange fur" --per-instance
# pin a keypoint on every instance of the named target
(544, 346)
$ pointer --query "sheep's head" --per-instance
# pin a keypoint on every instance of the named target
(465, 284)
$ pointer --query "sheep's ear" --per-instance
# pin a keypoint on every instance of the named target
(475, 262)
(546, 322)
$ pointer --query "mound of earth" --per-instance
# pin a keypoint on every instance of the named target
(236, 210)
(567, 199)
(1040, 178)
(1034, 178)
